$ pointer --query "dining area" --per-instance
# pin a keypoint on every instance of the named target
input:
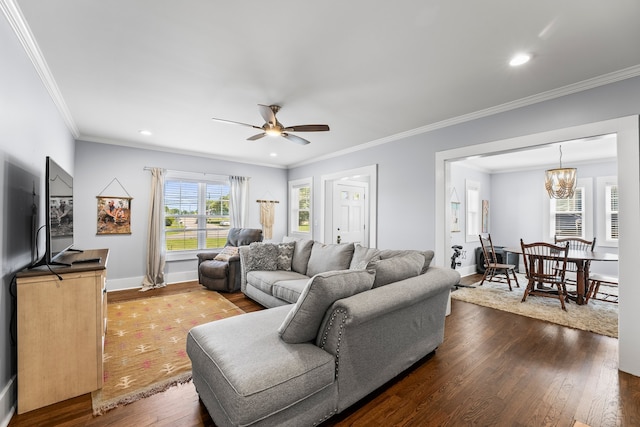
(560, 270)
(515, 281)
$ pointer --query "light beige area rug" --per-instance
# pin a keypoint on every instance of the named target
(597, 316)
(145, 346)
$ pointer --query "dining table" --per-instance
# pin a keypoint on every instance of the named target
(581, 259)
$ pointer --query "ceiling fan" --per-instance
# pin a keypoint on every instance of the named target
(273, 127)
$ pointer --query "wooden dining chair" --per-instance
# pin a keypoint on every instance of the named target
(495, 271)
(545, 264)
(577, 244)
(594, 292)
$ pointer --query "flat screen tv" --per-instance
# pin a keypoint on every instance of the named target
(59, 213)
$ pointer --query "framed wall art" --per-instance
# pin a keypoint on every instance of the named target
(485, 216)
(455, 211)
(114, 215)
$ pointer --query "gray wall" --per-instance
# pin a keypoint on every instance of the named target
(407, 166)
(405, 180)
(516, 207)
(97, 165)
(520, 213)
(30, 129)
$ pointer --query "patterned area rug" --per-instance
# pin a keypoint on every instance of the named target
(145, 346)
(597, 316)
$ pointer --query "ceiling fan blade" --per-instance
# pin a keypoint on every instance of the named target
(254, 137)
(307, 128)
(235, 123)
(296, 139)
(267, 113)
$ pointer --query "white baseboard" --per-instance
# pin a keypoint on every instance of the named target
(136, 282)
(8, 400)
(467, 270)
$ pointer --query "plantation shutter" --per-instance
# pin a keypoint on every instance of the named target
(612, 211)
(196, 214)
(181, 214)
(569, 215)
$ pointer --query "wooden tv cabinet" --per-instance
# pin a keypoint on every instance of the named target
(60, 330)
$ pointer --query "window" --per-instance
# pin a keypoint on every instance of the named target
(572, 217)
(612, 212)
(472, 220)
(196, 211)
(608, 211)
(300, 198)
(568, 215)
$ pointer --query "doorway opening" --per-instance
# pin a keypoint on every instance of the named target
(349, 206)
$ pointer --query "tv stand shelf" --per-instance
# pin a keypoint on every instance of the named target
(61, 327)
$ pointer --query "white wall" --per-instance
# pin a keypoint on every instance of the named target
(30, 129)
(97, 165)
(459, 176)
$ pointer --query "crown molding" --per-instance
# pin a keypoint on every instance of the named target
(20, 27)
(173, 150)
(605, 79)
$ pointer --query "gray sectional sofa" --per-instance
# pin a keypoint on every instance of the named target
(327, 341)
(276, 285)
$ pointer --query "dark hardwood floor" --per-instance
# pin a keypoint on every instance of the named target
(494, 368)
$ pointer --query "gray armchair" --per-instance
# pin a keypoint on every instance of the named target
(225, 275)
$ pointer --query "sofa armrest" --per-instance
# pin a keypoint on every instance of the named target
(206, 256)
(377, 334)
(243, 252)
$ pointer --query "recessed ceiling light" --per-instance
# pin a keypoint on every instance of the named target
(145, 132)
(273, 154)
(519, 59)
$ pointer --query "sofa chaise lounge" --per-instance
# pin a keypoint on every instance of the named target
(345, 336)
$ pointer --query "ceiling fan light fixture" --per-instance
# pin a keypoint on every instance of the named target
(272, 127)
(560, 183)
(273, 132)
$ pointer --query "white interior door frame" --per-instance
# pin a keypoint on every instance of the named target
(357, 211)
(628, 133)
(371, 172)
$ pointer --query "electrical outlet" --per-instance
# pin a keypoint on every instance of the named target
(463, 255)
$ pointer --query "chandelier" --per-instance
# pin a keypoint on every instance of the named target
(561, 182)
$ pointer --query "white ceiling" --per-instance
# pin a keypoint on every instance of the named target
(371, 71)
(596, 149)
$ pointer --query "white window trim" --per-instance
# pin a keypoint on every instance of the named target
(601, 217)
(587, 225)
(303, 182)
(196, 177)
(472, 234)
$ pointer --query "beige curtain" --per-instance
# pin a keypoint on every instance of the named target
(267, 214)
(154, 277)
(239, 200)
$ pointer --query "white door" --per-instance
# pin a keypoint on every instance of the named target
(350, 212)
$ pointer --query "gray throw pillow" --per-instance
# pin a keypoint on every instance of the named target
(262, 256)
(322, 290)
(362, 256)
(301, 253)
(398, 268)
(329, 257)
(390, 253)
(285, 255)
